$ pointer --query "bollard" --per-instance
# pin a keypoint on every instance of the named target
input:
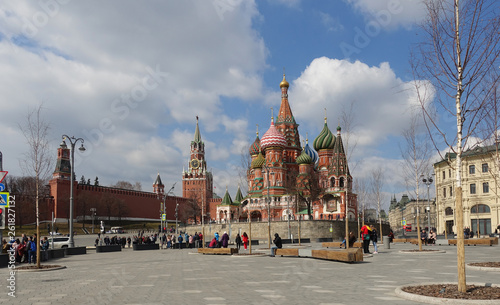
(387, 242)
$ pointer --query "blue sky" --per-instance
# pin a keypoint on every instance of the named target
(130, 78)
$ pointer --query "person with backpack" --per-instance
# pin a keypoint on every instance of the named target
(179, 241)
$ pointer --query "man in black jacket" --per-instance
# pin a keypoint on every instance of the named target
(277, 244)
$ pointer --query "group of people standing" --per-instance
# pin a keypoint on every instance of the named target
(24, 248)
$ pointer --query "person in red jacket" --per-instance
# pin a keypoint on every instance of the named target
(213, 243)
(365, 236)
(244, 237)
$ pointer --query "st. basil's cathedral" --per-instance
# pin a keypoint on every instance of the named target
(283, 176)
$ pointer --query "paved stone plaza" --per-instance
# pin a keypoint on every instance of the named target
(185, 277)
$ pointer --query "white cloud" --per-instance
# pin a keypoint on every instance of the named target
(391, 13)
(381, 100)
(119, 74)
(330, 23)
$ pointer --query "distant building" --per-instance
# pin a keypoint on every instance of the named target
(404, 212)
(480, 190)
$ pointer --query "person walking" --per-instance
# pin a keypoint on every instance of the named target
(244, 237)
(237, 241)
(277, 244)
(365, 236)
(374, 238)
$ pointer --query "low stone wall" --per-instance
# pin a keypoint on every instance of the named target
(313, 229)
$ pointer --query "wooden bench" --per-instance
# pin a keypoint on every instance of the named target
(494, 240)
(350, 255)
(400, 240)
(287, 252)
(338, 244)
(229, 251)
(478, 241)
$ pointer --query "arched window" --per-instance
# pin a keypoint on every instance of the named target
(480, 208)
(332, 182)
(341, 182)
(448, 211)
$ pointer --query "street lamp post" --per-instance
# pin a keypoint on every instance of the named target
(268, 209)
(93, 216)
(176, 215)
(163, 207)
(428, 181)
(72, 141)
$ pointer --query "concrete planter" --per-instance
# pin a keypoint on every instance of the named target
(56, 253)
(76, 251)
(110, 248)
(146, 246)
(4, 260)
(295, 241)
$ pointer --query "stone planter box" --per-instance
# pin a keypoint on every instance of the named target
(324, 240)
(76, 251)
(4, 260)
(295, 241)
(56, 253)
(146, 246)
(110, 248)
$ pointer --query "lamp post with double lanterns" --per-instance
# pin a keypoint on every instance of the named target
(164, 211)
(427, 180)
(72, 141)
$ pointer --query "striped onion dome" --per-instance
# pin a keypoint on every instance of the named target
(304, 158)
(258, 162)
(272, 137)
(325, 140)
(255, 148)
(308, 150)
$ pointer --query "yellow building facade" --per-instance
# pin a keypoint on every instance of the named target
(480, 191)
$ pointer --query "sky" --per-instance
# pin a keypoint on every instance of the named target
(130, 78)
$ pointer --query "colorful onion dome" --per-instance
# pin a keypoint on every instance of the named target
(308, 150)
(272, 137)
(258, 162)
(284, 83)
(255, 148)
(304, 158)
(325, 140)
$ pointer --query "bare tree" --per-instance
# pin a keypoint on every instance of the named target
(37, 160)
(415, 152)
(309, 191)
(459, 49)
(128, 186)
(376, 186)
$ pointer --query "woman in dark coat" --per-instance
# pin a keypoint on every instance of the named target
(225, 240)
(237, 241)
